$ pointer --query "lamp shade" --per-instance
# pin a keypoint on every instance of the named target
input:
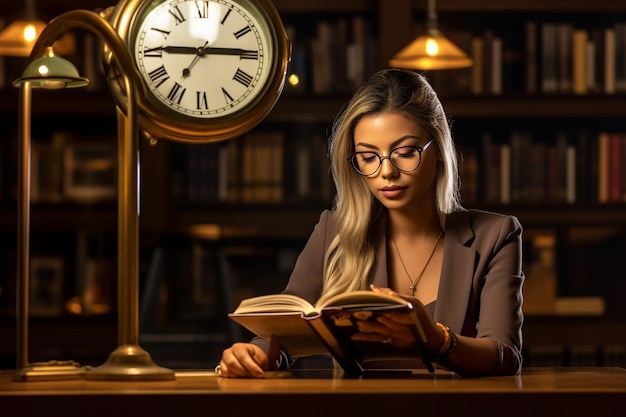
(18, 38)
(51, 72)
(431, 51)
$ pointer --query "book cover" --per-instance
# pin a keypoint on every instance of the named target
(609, 60)
(615, 167)
(478, 56)
(564, 60)
(603, 167)
(580, 83)
(530, 52)
(302, 329)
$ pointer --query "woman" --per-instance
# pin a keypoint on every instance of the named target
(398, 227)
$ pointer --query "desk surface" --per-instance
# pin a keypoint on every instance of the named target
(537, 392)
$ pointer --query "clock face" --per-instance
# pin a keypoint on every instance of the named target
(209, 70)
(204, 59)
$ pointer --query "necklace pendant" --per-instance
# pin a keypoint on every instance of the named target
(412, 288)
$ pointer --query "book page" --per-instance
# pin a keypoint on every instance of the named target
(275, 303)
(360, 298)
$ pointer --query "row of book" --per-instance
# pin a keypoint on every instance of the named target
(563, 169)
(291, 165)
(335, 56)
(554, 58)
(580, 61)
(286, 166)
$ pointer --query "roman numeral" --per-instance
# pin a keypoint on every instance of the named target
(226, 16)
(153, 52)
(203, 9)
(229, 99)
(165, 33)
(242, 77)
(176, 93)
(201, 101)
(159, 76)
(242, 32)
(177, 14)
(249, 55)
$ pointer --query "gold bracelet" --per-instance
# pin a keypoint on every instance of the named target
(449, 343)
(446, 339)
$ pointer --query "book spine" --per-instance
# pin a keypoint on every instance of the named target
(615, 167)
(580, 82)
(345, 359)
(609, 61)
(603, 171)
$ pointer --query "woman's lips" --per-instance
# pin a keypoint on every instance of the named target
(392, 191)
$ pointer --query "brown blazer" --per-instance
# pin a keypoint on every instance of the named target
(480, 291)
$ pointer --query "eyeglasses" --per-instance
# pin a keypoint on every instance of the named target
(403, 158)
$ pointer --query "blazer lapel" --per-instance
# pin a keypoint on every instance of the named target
(457, 272)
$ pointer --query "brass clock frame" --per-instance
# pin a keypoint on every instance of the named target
(157, 121)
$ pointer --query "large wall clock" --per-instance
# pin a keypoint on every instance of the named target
(213, 69)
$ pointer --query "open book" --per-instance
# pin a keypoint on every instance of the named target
(302, 329)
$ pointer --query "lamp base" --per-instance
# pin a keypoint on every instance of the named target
(130, 363)
(50, 371)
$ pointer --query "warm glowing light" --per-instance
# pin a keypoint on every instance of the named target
(293, 80)
(43, 70)
(74, 306)
(30, 33)
(432, 48)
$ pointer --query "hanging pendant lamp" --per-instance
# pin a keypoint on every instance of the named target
(432, 50)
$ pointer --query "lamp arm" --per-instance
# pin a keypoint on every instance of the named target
(128, 361)
(95, 23)
(127, 158)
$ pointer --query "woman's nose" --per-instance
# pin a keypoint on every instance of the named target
(387, 169)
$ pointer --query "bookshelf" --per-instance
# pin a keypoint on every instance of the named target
(586, 230)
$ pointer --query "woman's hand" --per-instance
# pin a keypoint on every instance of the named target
(397, 328)
(243, 360)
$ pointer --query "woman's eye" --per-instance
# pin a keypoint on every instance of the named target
(406, 152)
(368, 157)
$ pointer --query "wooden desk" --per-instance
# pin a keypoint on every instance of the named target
(537, 392)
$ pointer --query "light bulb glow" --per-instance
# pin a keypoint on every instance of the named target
(293, 80)
(30, 33)
(43, 70)
(432, 48)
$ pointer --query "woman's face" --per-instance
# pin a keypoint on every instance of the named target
(395, 189)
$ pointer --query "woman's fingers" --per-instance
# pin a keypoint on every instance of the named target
(243, 360)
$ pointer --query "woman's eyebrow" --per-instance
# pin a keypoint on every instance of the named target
(392, 145)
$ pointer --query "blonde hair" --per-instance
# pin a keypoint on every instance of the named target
(350, 257)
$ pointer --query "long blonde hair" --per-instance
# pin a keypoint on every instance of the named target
(350, 257)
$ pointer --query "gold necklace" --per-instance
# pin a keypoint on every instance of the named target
(413, 285)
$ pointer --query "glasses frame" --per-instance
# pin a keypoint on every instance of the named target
(419, 150)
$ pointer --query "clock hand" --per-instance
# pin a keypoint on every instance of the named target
(188, 50)
(211, 50)
(199, 53)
